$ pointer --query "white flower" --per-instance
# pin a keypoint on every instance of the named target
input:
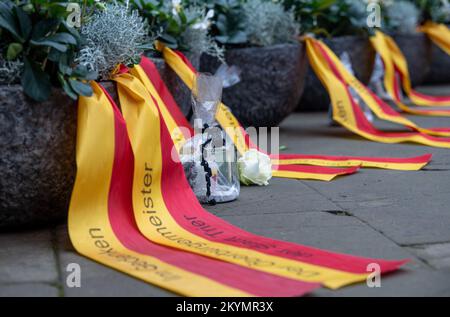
(176, 7)
(255, 168)
(205, 23)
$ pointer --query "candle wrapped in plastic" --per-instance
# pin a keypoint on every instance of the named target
(209, 157)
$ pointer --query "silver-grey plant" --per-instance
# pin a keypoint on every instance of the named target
(402, 17)
(268, 23)
(196, 37)
(113, 35)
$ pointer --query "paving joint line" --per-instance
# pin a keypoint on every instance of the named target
(368, 224)
(55, 248)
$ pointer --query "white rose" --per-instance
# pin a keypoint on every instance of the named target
(255, 168)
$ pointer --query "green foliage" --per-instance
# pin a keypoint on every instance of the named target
(169, 21)
(35, 34)
(435, 10)
(330, 17)
(402, 17)
(268, 23)
(182, 25)
(229, 25)
(255, 22)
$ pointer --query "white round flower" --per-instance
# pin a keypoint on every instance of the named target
(255, 168)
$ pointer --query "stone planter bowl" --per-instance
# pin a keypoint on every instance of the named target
(180, 92)
(37, 161)
(362, 55)
(417, 49)
(271, 82)
(440, 66)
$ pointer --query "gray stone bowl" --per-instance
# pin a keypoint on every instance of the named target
(37, 160)
(417, 49)
(271, 82)
(440, 67)
(362, 55)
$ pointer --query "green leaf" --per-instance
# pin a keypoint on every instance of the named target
(168, 39)
(54, 55)
(8, 21)
(14, 49)
(80, 88)
(65, 85)
(35, 82)
(82, 72)
(45, 42)
(44, 28)
(24, 23)
(63, 37)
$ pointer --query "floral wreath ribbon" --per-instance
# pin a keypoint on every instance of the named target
(132, 209)
(396, 69)
(102, 224)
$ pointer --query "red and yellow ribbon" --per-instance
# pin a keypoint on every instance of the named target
(347, 111)
(102, 225)
(181, 128)
(168, 213)
(242, 140)
(396, 69)
(438, 33)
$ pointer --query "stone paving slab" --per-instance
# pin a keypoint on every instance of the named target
(27, 257)
(343, 234)
(296, 197)
(28, 290)
(415, 209)
(97, 279)
(436, 255)
(417, 283)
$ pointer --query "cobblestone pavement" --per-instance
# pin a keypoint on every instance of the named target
(375, 213)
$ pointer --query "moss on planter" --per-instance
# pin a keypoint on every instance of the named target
(271, 82)
(362, 55)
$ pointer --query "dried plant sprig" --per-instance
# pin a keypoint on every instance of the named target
(402, 17)
(268, 23)
(10, 71)
(113, 36)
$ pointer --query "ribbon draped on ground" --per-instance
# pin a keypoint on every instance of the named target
(181, 65)
(182, 130)
(102, 225)
(396, 69)
(346, 110)
(168, 213)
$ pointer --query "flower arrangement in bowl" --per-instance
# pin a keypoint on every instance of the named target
(261, 40)
(342, 26)
(181, 25)
(46, 62)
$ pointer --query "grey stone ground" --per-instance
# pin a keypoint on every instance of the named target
(375, 213)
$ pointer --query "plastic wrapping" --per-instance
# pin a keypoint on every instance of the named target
(377, 78)
(230, 75)
(209, 158)
(346, 61)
